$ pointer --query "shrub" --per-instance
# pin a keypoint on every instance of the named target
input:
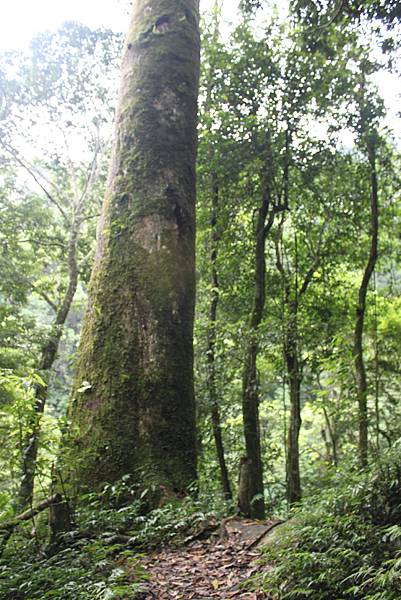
(346, 543)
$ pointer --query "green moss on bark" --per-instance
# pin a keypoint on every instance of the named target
(138, 414)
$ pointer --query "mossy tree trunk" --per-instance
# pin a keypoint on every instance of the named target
(132, 406)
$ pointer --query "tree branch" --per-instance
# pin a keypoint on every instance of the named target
(45, 297)
(88, 217)
(337, 10)
(311, 271)
(43, 243)
(32, 173)
(30, 513)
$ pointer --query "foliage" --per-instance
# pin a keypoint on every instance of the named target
(95, 564)
(344, 544)
(16, 411)
(84, 569)
(121, 508)
(55, 126)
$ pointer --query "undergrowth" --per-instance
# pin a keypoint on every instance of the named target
(100, 559)
(83, 570)
(345, 544)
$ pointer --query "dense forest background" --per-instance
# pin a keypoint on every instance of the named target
(298, 312)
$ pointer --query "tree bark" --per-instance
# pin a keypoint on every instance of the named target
(250, 386)
(360, 370)
(132, 406)
(211, 356)
(294, 366)
(294, 372)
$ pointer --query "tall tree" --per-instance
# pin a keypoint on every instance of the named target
(132, 407)
(250, 383)
(253, 62)
(211, 161)
(211, 352)
(371, 141)
(359, 361)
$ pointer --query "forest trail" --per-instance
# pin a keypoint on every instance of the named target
(210, 568)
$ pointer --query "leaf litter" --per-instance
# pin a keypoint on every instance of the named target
(207, 569)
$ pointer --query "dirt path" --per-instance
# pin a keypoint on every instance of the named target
(207, 569)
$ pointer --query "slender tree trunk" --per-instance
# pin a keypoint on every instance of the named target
(360, 371)
(333, 438)
(294, 373)
(132, 407)
(244, 504)
(215, 293)
(211, 355)
(293, 365)
(48, 356)
(250, 387)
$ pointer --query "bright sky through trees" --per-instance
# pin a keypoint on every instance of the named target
(22, 19)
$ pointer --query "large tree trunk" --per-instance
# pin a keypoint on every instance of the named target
(132, 407)
(360, 371)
